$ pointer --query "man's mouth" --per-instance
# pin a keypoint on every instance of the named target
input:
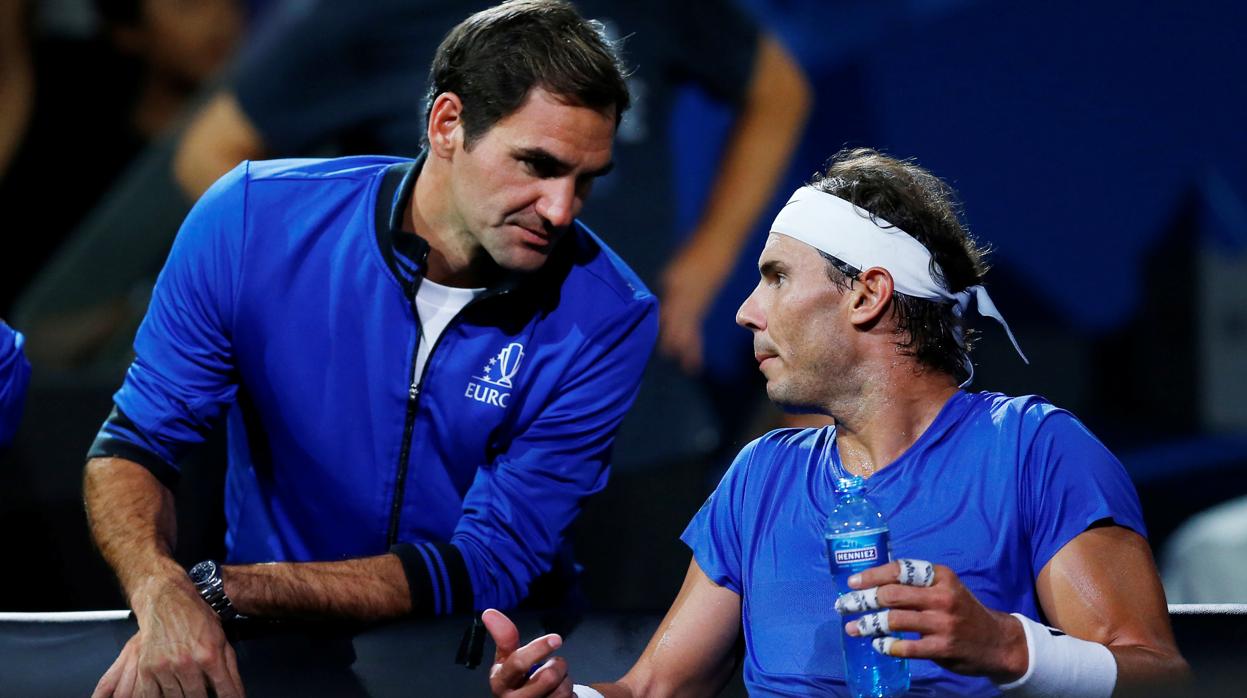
(537, 237)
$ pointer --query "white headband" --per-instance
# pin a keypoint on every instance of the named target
(850, 234)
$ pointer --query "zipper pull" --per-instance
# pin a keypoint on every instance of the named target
(413, 391)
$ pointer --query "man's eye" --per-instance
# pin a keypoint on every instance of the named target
(540, 168)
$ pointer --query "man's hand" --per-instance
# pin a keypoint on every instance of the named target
(515, 673)
(689, 285)
(180, 648)
(957, 631)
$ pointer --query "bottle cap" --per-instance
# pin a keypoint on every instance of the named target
(852, 483)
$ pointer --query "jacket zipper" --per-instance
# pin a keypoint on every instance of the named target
(413, 401)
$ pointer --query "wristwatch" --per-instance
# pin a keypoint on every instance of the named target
(206, 576)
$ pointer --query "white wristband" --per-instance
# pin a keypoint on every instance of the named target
(1062, 666)
(583, 691)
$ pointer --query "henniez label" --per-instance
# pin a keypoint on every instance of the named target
(858, 549)
(857, 555)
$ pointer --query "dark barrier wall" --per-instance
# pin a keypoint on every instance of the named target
(64, 655)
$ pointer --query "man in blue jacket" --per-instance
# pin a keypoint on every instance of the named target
(422, 364)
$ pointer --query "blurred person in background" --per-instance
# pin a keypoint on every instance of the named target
(77, 109)
(179, 46)
(1205, 559)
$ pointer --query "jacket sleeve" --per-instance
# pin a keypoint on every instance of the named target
(182, 378)
(518, 506)
(14, 376)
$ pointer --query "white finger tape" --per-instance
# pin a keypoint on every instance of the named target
(883, 645)
(915, 573)
(874, 624)
(582, 691)
(858, 601)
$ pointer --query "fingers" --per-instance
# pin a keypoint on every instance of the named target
(858, 601)
(129, 679)
(513, 671)
(870, 625)
(680, 338)
(110, 683)
(146, 686)
(194, 687)
(918, 573)
(565, 689)
(223, 681)
(506, 636)
(893, 585)
(915, 573)
(235, 689)
(166, 683)
(546, 680)
(924, 648)
(896, 596)
(893, 621)
(887, 645)
(186, 676)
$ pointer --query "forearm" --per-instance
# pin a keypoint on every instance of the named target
(1137, 665)
(131, 516)
(1148, 668)
(628, 687)
(370, 588)
(759, 147)
(219, 137)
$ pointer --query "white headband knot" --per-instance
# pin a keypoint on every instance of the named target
(852, 235)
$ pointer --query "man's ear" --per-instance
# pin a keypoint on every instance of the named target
(870, 297)
(445, 125)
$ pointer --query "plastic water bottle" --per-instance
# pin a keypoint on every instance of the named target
(857, 539)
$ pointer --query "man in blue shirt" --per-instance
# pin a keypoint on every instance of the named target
(421, 364)
(866, 280)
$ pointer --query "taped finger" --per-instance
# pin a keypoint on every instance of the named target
(883, 645)
(874, 624)
(858, 601)
(915, 573)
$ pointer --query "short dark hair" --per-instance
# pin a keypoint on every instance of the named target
(916, 201)
(492, 60)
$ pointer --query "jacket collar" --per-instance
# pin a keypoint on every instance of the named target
(404, 253)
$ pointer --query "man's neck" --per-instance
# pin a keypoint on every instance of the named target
(876, 426)
(454, 259)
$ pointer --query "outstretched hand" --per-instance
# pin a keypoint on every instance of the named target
(516, 672)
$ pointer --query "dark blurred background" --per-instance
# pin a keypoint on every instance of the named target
(1099, 147)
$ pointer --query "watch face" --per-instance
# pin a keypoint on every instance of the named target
(203, 572)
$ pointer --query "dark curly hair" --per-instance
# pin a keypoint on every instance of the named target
(916, 201)
(492, 60)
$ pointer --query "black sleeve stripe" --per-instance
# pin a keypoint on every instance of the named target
(447, 563)
(107, 446)
(461, 597)
(419, 585)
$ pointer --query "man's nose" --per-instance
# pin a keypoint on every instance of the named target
(559, 204)
(749, 315)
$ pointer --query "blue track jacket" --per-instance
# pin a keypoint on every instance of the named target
(287, 307)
